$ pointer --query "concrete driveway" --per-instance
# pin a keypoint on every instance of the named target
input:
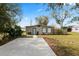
(26, 47)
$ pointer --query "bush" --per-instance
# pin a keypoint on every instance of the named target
(18, 31)
(61, 31)
(14, 32)
(69, 29)
(10, 34)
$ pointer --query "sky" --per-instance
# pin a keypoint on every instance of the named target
(32, 10)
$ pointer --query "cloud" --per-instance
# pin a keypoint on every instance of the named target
(39, 10)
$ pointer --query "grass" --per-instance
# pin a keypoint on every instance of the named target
(66, 44)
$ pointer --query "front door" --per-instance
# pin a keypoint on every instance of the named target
(33, 31)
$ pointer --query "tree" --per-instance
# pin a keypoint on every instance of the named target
(42, 20)
(59, 12)
(9, 15)
(76, 8)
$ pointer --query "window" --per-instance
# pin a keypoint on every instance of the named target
(44, 30)
(49, 30)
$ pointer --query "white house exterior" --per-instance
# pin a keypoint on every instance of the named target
(75, 28)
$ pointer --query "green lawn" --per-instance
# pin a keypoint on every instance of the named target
(67, 43)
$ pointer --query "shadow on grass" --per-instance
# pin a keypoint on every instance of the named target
(56, 34)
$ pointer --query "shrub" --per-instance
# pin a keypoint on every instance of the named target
(61, 31)
(18, 31)
(14, 32)
(69, 29)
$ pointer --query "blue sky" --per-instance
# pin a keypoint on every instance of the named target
(32, 10)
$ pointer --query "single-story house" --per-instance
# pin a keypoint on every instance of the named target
(37, 29)
(74, 28)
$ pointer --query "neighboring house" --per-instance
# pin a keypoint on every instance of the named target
(74, 28)
(37, 29)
